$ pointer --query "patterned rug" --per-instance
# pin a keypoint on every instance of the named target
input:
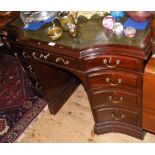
(17, 110)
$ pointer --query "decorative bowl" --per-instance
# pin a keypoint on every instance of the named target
(55, 33)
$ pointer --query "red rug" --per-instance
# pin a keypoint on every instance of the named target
(17, 111)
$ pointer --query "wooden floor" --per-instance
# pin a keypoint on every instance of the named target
(74, 124)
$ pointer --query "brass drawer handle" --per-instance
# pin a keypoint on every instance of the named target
(24, 55)
(119, 81)
(41, 56)
(30, 69)
(37, 85)
(46, 56)
(66, 62)
(117, 117)
(34, 56)
(107, 63)
(115, 101)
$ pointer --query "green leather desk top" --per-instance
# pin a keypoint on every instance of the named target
(90, 32)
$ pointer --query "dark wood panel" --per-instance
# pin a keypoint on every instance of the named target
(55, 84)
(149, 96)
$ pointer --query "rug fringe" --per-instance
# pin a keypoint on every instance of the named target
(31, 125)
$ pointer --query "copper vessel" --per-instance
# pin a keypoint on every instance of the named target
(139, 16)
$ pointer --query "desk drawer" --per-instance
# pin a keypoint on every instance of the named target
(114, 98)
(116, 114)
(46, 57)
(112, 62)
(114, 80)
(49, 57)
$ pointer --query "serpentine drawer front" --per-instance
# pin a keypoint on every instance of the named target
(103, 61)
(114, 79)
(115, 97)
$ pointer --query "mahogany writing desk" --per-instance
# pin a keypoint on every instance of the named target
(110, 68)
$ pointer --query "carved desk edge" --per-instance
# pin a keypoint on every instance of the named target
(79, 53)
